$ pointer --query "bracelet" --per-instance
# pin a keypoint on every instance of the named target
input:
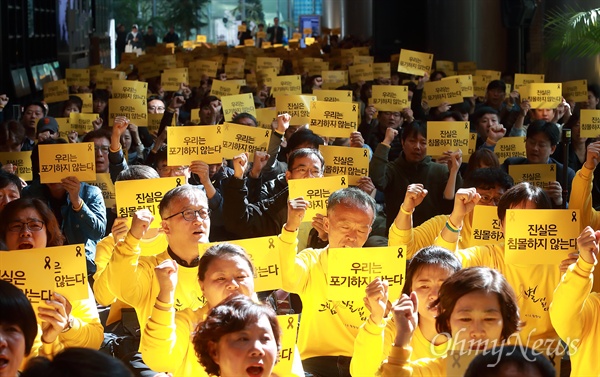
(451, 227)
(170, 109)
(162, 303)
(490, 141)
(163, 308)
(79, 206)
(115, 151)
(405, 211)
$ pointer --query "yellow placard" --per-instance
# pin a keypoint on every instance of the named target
(486, 226)
(87, 100)
(361, 72)
(438, 92)
(94, 70)
(56, 91)
(510, 146)
(82, 123)
(444, 66)
(224, 88)
(359, 59)
(64, 126)
(21, 161)
(333, 119)
(148, 69)
(239, 138)
(316, 197)
(165, 62)
(543, 96)
(172, 78)
(447, 136)
(298, 106)
(239, 103)
(249, 42)
(191, 143)
(575, 91)
(480, 84)
(261, 35)
(414, 62)
(466, 84)
(353, 162)
(135, 110)
(523, 79)
(242, 28)
(333, 95)
(205, 67)
(490, 75)
(390, 97)
(77, 77)
(288, 352)
(266, 44)
(106, 185)
(154, 122)
(472, 144)
(58, 161)
(188, 44)
(382, 70)
(138, 194)
(350, 270)
(536, 174)
(266, 116)
(316, 68)
(263, 62)
(266, 75)
(335, 77)
(201, 38)
(540, 236)
(129, 89)
(41, 272)
(286, 85)
(470, 67)
(590, 123)
(234, 70)
(105, 78)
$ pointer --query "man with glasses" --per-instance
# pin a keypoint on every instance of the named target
(373, 130)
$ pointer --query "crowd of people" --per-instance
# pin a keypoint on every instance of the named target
(164, 307)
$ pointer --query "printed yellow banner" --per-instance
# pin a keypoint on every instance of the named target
(447, 136)
(138, 194)
(317, 197)
(316, 68)
(486, 226)
(466, 84)
(154, 122)
(187, 144)
(21, 161)
(172, 78)
(382, 70)
(205, 67)
(540, 236)
(472, 144)
(414, 62)
(543, 96)
(77, 77)
(249, 42)
(56, 91)
(265, 117)
(134, 109)
(265, 76)
(94, 70)
(64, 127)
(41, 272)
(286, 85)
(335, 77)
(466, 68)
(480, 84)
(490, 75)
(333, 119)
(333, 95)
(261, 34)
(201, 38)
(82, 123)
(238, 138)
(129, 89)
(353, 162)
(536, 174)
(224, 88)
(350, 270)
(390, 97)
(88, 102)
(148, 69)
(438, 92)
(288, 354)
(58, 161)
(268, 62)
(575, 91)
(510, 146)
(590, 123)
(361, 72)
(105, 78)
(106, 185)
(523, 79)
(297, 106)
(234, 70)
(237, 104)
(358, 59)
(165, 62)
(444, 66)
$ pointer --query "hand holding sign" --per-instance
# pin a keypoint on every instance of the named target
(366, 184)
(554, 191)
(318, 224)
(296, 210)
(140, 223)
(376, 299)
(587, 244)
(72, 186)
(406, 316)
(201, 169)
(119, 229)
(56, 318)
(356, 140)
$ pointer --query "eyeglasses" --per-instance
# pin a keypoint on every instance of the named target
(102, 148)
(31, 225)
(192, 214)
(391, 114)
(487, 199)
(304, 170)
(156, 108)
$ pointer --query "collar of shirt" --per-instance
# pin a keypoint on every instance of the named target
(182, 262)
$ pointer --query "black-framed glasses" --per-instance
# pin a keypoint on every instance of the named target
(192, 214)
(31, 225)
(102, 148)
(305, 169)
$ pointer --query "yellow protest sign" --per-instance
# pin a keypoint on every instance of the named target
(382, 70)
(87, 100)
(249, 42)
(286, 85)
(590, 123)
(543, 96)
(353, 162)
(41, 272)
(165, 62)
(288, 352)
(510, 146)
(188, 45)
(447, 136)
(234, 70)
(148, 69)
(58, 161)
(56, 91)
(266, 116)
(317, 197)
(239, 103)
(135, 110)
(316, 68)
(575, 91)
(172, 78)
(187, 144)
(466, 68)
(21, 161)
(94, 70)
(333, 95)
(261, 35)
(201, 38)
(414, 62)
(486, 226)
(266, 44)
(444, 66)
(266, 75)
(82, 123)
(154, 122)
(540, 236)
(480, 84)
(333, 119)
(490, 75)
(438, 92)
(105, 78)
(361, 72)
(224, 88)
(297, 106)
(350, 270)
(523, 79)
(205, 67)
(239, 138)
(359, 59)
(129, 89)
(466, 84)
(263, 62)
(106, 185)
(335, 77)
(77, 77)
(390, 97)
(536, 174)
(64, 126)
(472, 144)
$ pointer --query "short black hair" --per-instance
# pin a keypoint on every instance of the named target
(77, 362)
(7, 178)
(304, 136)
(429, 256)
(489, 178)
(594, 88)
(520, 193)
(35, 103)
(550, 129)
(15, 309)
(492, 362)
(496, 84)
(414, 128)
(305, 152)
(244, 115)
